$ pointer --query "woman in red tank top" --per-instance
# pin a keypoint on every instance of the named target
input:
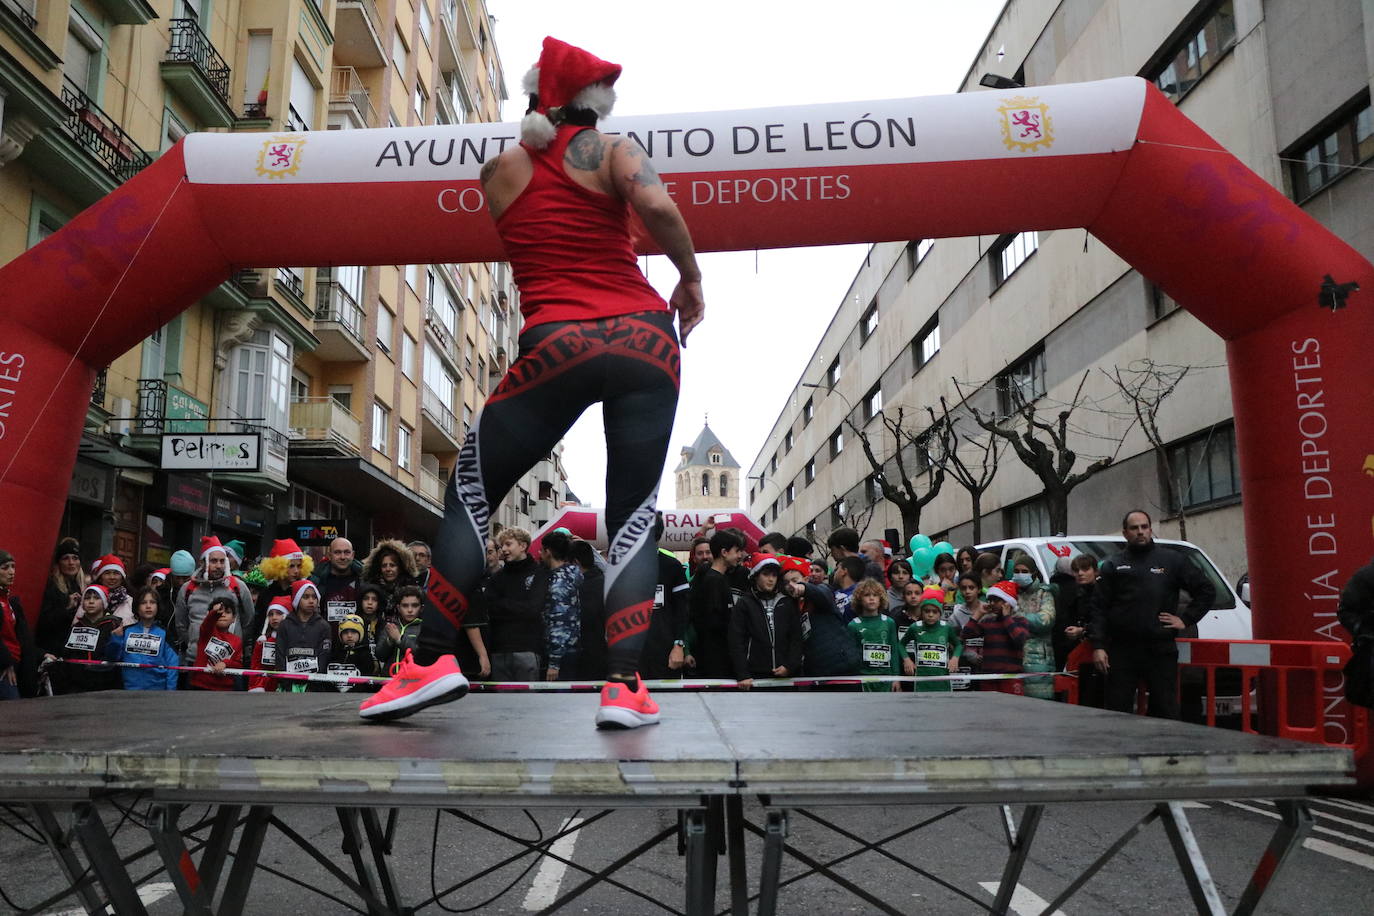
(594, 331)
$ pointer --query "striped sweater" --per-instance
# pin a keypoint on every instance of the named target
(1002, 638)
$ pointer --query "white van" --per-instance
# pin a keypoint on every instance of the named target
(1230, 619)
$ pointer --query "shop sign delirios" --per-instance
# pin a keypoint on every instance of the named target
(212, 451)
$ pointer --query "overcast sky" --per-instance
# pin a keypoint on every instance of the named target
(766, 310)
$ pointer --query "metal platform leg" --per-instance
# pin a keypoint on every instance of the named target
(774, 839)
(104, 859)
(59, 843)
(1297, 823)
(1190, 862)
(377, 841)
(734, 842)
(353, 845)
(217, 847)
(701, 860)
(245, 861)
(1019, 841)
(171, 846)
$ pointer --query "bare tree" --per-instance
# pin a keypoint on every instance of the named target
(1145, 384)
(1044, 448)
(918, 462)
(974, 473)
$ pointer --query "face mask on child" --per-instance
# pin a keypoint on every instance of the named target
(1021, 579)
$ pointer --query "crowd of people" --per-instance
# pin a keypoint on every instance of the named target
(728, 613)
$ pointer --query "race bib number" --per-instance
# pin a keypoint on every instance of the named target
(347, 670)
(269, 655)
(877, 655)
(302, 665)
(217, 650)
(83, 639)
(658, 596)
(961, 681)
(143, 644)
(336, 611)
(928, 653)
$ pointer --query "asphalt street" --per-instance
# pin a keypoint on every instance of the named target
(1332, 874)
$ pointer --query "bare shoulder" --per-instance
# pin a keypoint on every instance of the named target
(502, 162)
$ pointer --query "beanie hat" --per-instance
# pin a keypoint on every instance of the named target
(183, 564)
(1004, 590)
(565, 76)
(280, 605)
(108, 562)
(101, 592)
(761, 561)
(236, 549)
(933, 594)
(6, 557)
(287, 549)
(209, 544)
(67, 547)
(351, 622)
(299, 588)
(159, 574)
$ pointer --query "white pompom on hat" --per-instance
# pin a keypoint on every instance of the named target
(565, 76)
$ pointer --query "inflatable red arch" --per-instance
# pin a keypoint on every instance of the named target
(1114, 157)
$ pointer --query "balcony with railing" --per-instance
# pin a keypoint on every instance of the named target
(440, 335)
(431, 487)
(439, 430)
(284, 286)
(349, 97)
(323, 426)
(339, 322)
(295, 121)
(358, 35)
(196, 71)
(98, 134)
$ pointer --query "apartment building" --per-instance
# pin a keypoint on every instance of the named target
(358, 382)
(1284, 84)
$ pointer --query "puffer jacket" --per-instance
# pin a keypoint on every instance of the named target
(1036, 605)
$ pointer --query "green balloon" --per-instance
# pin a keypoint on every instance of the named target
(922, 559)
(944, 547)
(917, 542)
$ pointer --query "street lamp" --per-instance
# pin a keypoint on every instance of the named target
(993, 81)
(830, 389)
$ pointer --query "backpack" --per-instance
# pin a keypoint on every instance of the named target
(1359, 673)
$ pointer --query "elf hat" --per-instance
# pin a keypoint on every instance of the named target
(159, 574)
(101, 592)
(298, 589)
(108, 562)
(210, 544)
(565, 76)
(933, 594)
(762, 561)
(351, 622)
(1004, 590)
(279, 605)
(287, 549)
(236, 549)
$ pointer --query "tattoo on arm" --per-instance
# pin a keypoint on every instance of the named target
(488, 170)
(647, 176)
(585, 151)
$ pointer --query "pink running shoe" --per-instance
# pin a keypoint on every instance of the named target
(622, 707)
(416, 687)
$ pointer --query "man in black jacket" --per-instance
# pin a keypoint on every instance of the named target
(514, 598)
(1134, 623)
(710, 601)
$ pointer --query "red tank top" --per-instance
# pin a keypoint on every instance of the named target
(569, 247)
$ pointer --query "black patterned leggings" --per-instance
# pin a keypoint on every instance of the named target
(632, 366)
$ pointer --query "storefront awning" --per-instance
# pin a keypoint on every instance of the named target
(360, 485)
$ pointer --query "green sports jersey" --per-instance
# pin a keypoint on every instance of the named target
(880, 651)
(931, 648)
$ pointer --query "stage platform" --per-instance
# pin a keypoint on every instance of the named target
(791, 750)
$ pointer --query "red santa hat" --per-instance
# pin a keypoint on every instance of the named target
(298, 589)
(565, 76)
(287, 549)
(936, 594)
(208, 545)
(796, 564)
(1004, 590)
(761, 561)
(160, 574)
(101, 592)
(279, 605)
(107, 562)
(887, 548)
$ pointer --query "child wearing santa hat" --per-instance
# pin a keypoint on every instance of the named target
(303, 638)
(1003, 632)
(265, 647)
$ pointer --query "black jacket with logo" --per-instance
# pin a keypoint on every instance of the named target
(1135, 586)
(758, 645)
(514, 598)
